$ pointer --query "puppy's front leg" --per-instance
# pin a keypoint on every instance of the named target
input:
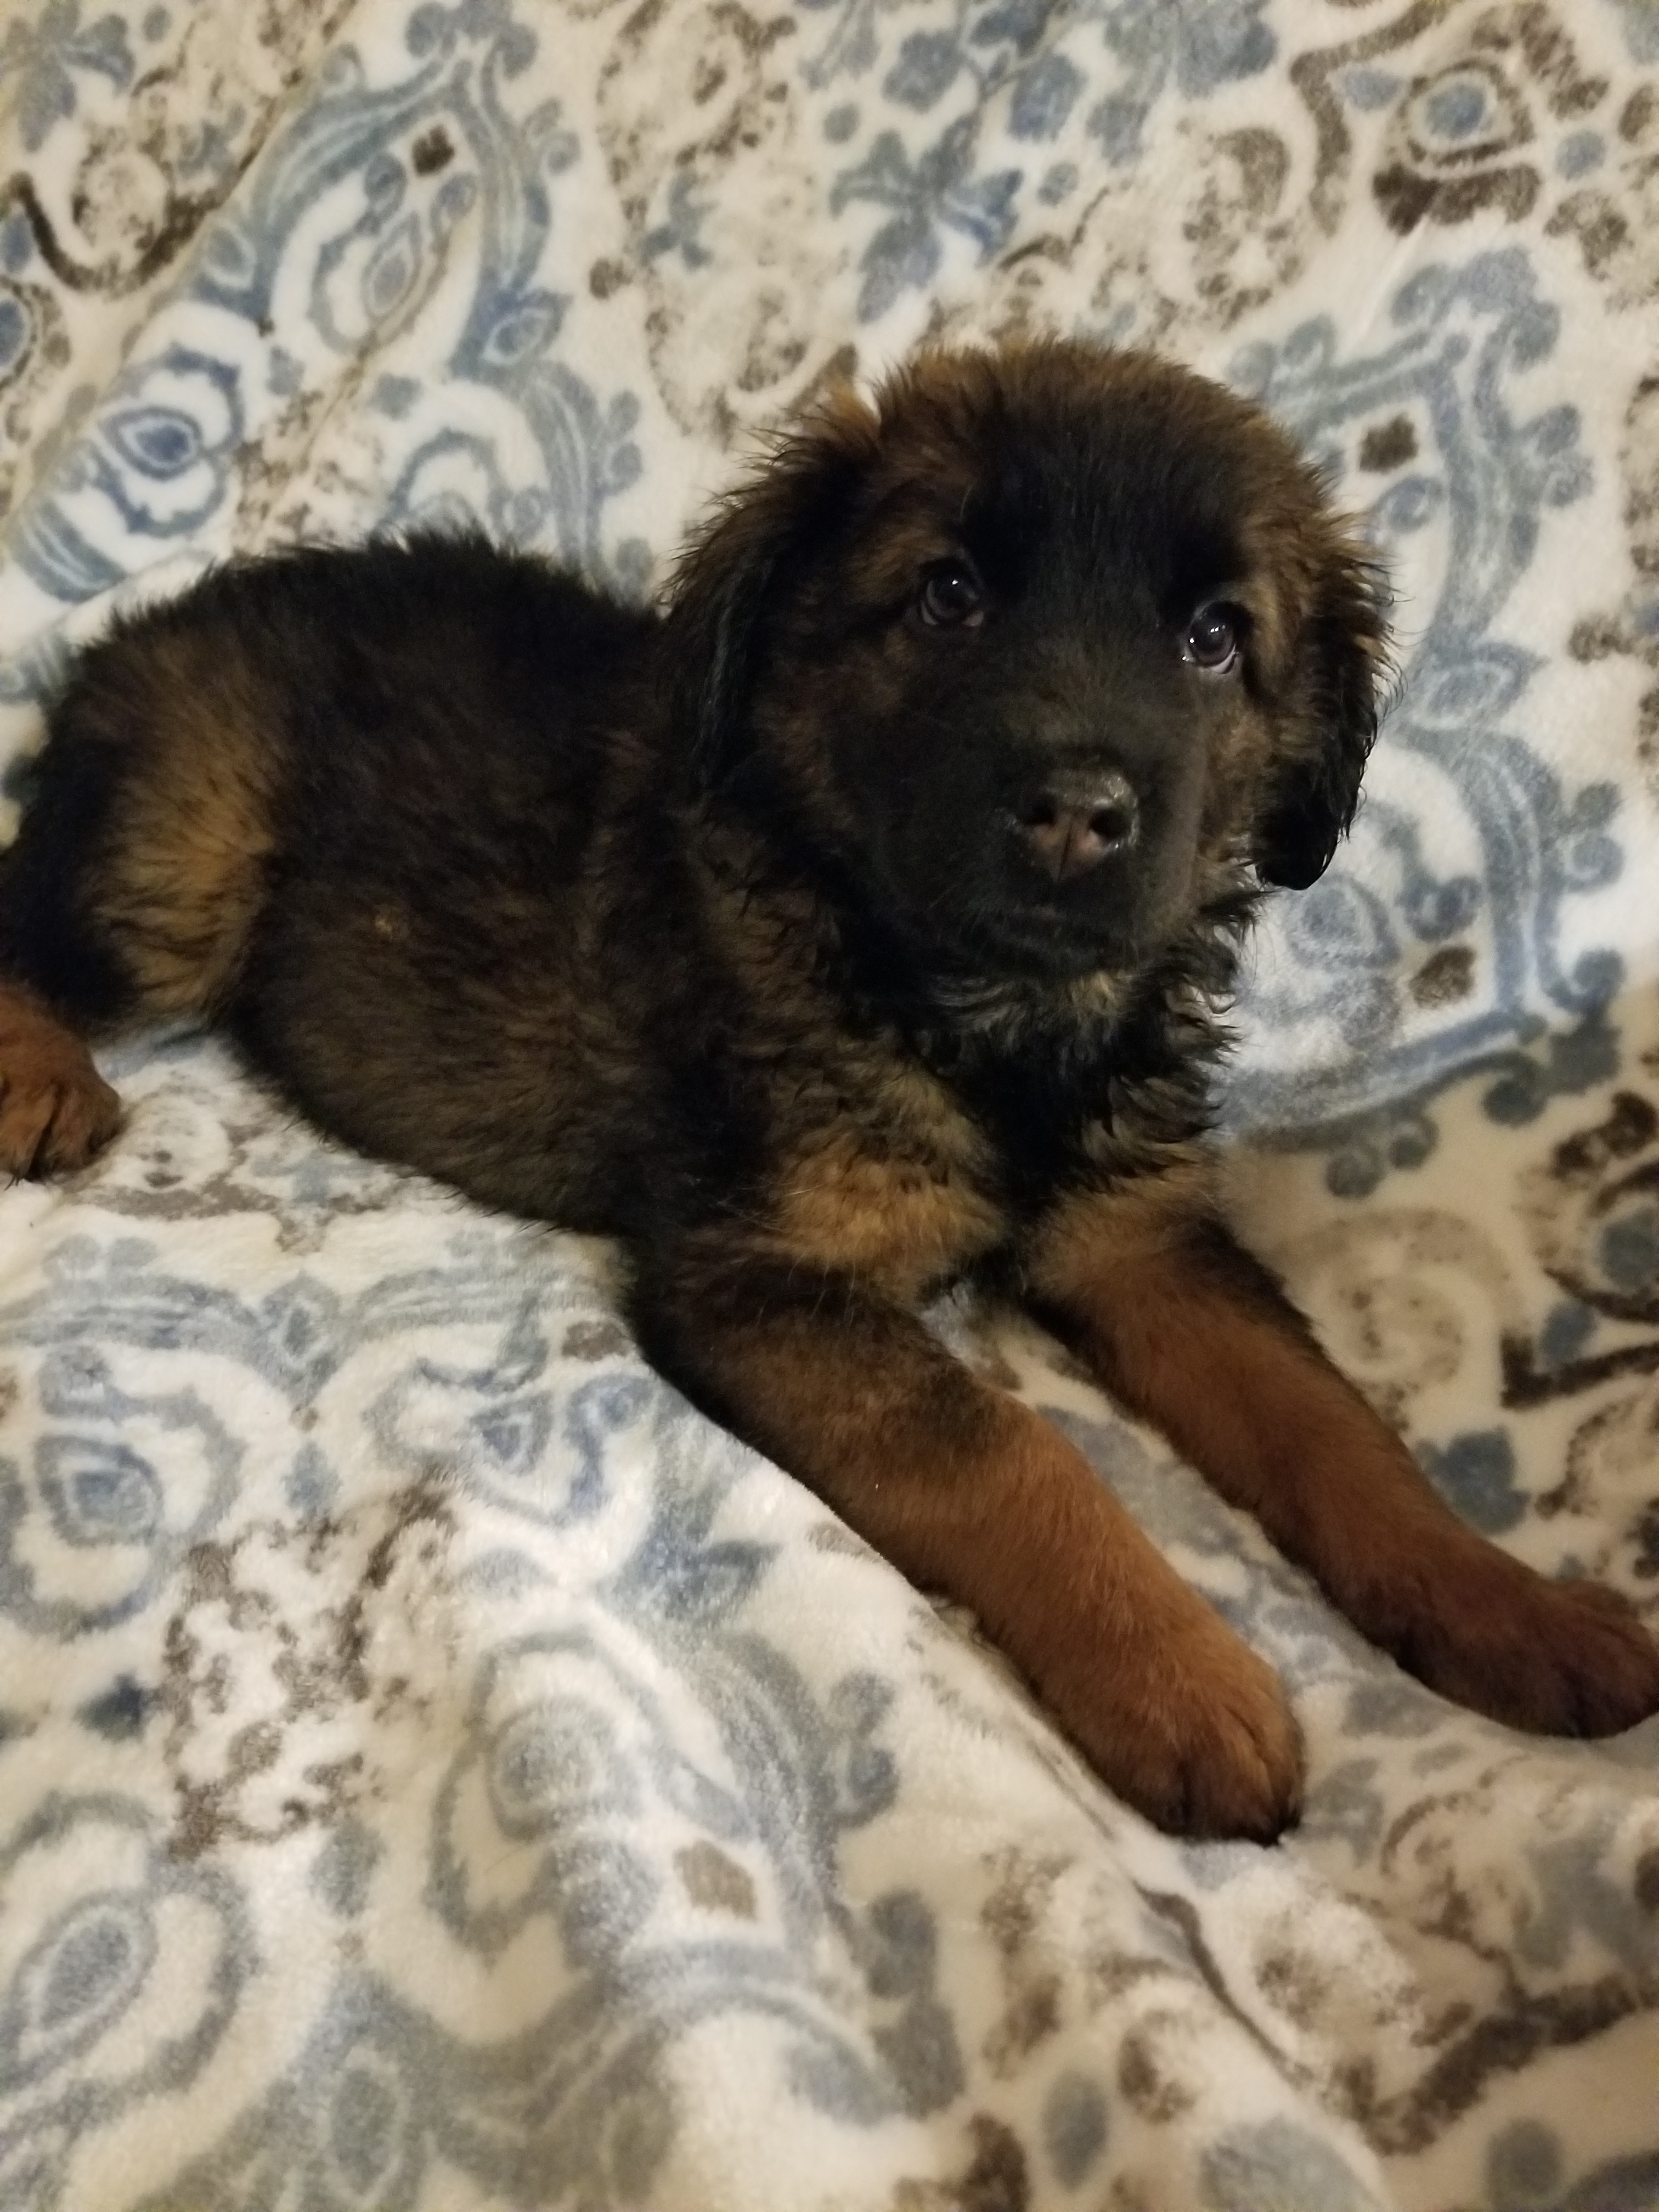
(1187, 1330)
(967, 1492)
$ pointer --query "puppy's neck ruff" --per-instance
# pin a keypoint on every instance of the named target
(1116, 1065)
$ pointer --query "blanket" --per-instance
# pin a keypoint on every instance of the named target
(439, 1770)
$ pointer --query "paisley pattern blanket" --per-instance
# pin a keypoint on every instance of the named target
(437, 1771)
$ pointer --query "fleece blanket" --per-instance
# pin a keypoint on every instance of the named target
(440, 1771)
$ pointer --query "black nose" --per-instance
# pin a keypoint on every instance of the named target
(1077, 819)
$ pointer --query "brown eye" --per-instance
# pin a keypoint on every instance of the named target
(1212, 637)
(951, 597)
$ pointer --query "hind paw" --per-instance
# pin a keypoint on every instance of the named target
(56, 1110)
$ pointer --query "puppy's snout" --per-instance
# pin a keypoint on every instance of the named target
(1076, 819)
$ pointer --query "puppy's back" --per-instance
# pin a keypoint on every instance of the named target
(307, 709)
(354, 805)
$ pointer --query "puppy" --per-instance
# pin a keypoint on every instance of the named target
(855, 925)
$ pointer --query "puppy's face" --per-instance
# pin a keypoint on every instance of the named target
(1047, 648)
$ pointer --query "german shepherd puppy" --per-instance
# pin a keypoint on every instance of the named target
(854, 925)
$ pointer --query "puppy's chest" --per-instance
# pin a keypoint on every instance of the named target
(879, 1171)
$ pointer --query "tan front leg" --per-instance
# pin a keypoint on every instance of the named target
(1188, 1332)
(967, 1492)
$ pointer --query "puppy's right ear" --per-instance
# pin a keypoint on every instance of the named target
(1345, 656)
(735, 567)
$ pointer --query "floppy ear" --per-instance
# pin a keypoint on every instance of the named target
(734, 566)
(1343, 653)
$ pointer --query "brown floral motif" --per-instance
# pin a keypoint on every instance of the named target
(1403, 1296)
(1227, 237)
(1318, 77)
(1632, 628)
(1478, 1913)
(1239, 209)
(1591, 1213)
(1467, 136)
(171, 152)
(152, 170)
(723, 198)
(34, 347)
(1243, 208)
(1613, 217)
(1454, 132)
(1231, 217)
(259, 1677)
(1013, 1916)
(994, 2178)
(1609, 1459)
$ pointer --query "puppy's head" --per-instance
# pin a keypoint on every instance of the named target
(1047, 648)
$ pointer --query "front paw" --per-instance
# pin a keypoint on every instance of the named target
(56, 1110)
(1552, 1658)
(1194, 1731)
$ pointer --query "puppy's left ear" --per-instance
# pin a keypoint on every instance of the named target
(735, 567)
(1344, 657)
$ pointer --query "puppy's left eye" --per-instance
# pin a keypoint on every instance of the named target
(950, 597)
(1213, 637)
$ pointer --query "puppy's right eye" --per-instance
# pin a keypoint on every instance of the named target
(950, 597)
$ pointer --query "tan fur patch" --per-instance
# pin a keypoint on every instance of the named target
(897, 1197)
(898, 1222)
(1090, 1233)
(179, 890)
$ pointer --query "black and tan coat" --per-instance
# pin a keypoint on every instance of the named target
(854, 925)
